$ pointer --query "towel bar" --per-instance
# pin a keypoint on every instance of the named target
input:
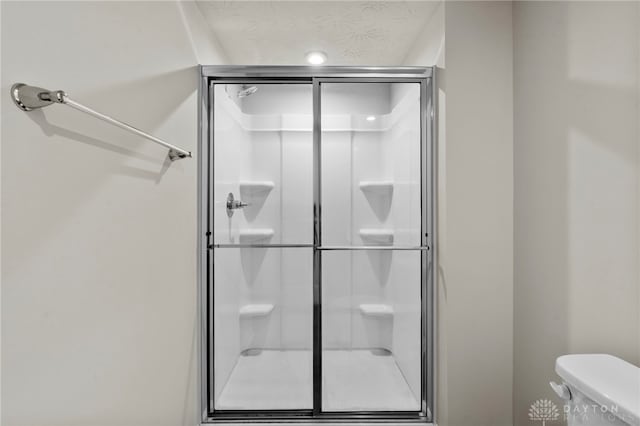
(28, 98)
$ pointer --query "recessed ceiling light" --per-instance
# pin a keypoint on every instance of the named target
(371, 118)
(316, 58)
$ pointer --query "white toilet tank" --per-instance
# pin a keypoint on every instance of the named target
(599, 390)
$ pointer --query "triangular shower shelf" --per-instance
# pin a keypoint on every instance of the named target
(256, 187)
(255, 235)
(255, 310)
(377, 187)
(376, 310)
(377, 236)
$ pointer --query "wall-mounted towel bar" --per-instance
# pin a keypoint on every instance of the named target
(28, 98)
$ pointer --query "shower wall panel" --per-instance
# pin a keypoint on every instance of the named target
(401, 149)
(336, 207)
(369, 212)
(262, 266)
(296, 224)
(350, 156)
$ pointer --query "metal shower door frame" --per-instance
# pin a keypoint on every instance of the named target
(316, 76)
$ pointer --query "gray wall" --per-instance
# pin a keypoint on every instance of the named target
(98, 230)
(576, 188)
(475, 196)
(477, 228)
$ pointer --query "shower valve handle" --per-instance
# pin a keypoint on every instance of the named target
(237, 205)
(233, 204)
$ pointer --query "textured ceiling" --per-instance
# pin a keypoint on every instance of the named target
(350, 32)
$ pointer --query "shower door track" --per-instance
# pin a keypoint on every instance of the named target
(326, 248)
(316, 76)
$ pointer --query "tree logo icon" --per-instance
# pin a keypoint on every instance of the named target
(543, 410)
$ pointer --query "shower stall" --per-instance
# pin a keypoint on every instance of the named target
(317, 243)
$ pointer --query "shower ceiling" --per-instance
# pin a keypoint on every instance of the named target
(350, 32)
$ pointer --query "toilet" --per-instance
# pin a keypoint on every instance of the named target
(598, 389)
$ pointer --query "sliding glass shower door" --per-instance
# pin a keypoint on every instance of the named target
(263, 254)
(317, 272)
(371, 247)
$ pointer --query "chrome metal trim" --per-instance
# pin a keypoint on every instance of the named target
(223, 246)
(394, 248)
(424, 241)
(323, 248)
(431, 176)
(313, 71)
(233, 204)
(317, 254)
(203, 243)
(29, 98)
(210, 296)
(372, 79)
(264, 80)
(334, 419)
(246, 421)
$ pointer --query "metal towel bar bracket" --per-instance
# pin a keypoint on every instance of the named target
(28, 98)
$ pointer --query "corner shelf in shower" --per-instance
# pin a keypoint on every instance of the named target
(256, 187)
(376, 310)
(255, 310)
(255, 235)
(377, 236)
(377, 187)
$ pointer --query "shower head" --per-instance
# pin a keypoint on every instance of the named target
(246, 90)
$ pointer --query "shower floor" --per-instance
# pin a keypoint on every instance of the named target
(353, 380)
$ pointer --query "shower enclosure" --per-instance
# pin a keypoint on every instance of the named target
(316, 243)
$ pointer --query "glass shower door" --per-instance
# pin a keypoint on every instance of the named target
(262, 248)
(371, 247)
(316, 263)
